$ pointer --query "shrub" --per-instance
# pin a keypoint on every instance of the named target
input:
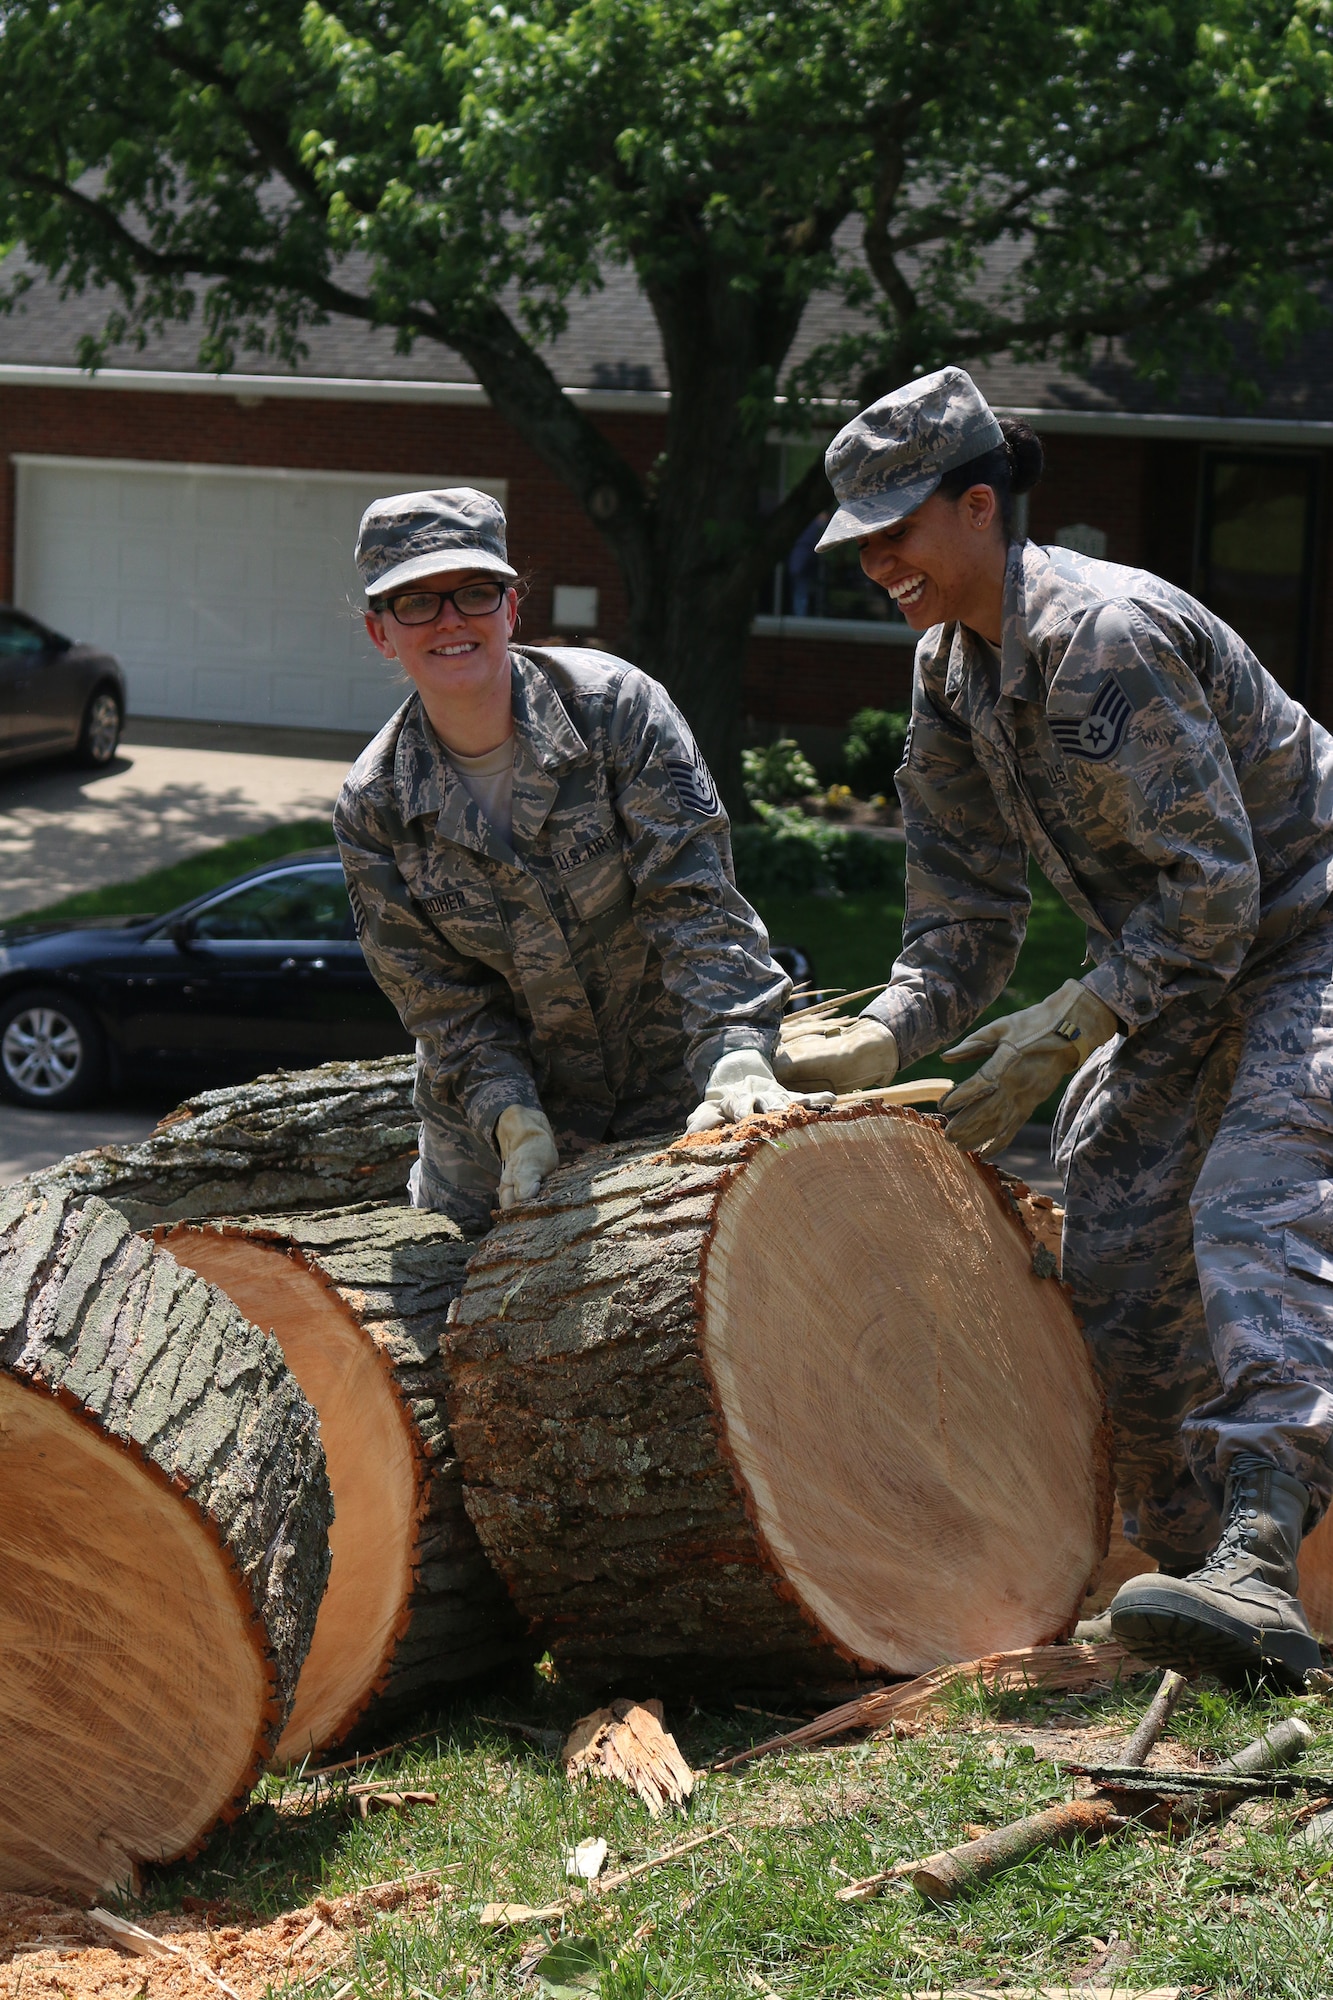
(777, 773)
(873, 748)
(786, 854)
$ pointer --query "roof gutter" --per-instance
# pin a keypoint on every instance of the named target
(249, 390)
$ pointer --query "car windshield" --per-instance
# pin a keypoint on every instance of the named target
(296, 906)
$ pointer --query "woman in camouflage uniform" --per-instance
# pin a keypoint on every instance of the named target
(1105, 723)
(541, 874)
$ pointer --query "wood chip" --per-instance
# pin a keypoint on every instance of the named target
(308, 1935)
(628, 1743)
(130, 1937)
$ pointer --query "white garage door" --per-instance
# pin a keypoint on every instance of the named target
(226, 594)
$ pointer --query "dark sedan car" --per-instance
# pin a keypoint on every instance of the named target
(56, 695)
(264, 974)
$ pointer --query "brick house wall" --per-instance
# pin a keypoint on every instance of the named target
(1142, 492)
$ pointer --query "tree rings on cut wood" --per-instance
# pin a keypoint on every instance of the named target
(357, 1300)
(300, 1139)
(775, 1398)
(164, 1518)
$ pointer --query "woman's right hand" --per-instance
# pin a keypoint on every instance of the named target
(838, 1055)
(526, 1146)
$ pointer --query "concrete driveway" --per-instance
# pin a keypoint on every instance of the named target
(174, 789)
(33, 1139)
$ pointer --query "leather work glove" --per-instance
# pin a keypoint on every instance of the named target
(526, 1145)
(738, 1086)
(1033, 1049)
(838, 1055)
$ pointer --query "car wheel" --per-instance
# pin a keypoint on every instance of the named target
(100, 731)
(52, 1055)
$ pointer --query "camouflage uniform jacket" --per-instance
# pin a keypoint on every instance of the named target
(607, 954)
(1127, 739)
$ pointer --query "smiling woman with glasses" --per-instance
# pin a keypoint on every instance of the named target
(541, 873)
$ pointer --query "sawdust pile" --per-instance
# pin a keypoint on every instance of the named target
(52, 1950)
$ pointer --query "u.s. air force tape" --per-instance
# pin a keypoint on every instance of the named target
(694, 785)
(1098, 734)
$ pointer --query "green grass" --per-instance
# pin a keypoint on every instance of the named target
(149, 895)
(1233, 1909)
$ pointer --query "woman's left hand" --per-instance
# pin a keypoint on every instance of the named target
(742, 1084)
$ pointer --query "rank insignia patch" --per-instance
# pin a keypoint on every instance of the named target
(1098, 734)
(694, 785)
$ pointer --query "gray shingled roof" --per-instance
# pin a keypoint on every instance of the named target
(612, 343)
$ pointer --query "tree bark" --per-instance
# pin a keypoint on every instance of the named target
(300, 1139)
(164, 1517)
(357, 1299)
(756, 1405)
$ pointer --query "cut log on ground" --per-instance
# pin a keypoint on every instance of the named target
(357, 1299)
(301, 1139)
(753, 1405)
(164, 1517)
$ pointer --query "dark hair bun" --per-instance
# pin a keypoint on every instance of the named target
(1027, 460)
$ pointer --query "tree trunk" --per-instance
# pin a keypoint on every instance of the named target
(757, 1404)
(300, 1139)
(164, 1517)
(357, 1299)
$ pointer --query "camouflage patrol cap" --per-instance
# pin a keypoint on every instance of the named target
(886, 462)
(411, 535)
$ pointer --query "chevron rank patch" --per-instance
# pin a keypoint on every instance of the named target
(694, 784)
(1098, 734)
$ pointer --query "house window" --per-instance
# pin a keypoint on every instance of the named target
(1256, 562)
(809, 586)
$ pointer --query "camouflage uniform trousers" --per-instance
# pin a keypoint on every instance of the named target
(456, 1173)
(1198, 1162)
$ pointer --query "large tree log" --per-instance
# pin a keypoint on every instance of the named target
(357, 1298)
(760, 1403)
(164, 1516)
(300, 1139)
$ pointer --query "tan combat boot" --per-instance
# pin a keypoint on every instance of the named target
(1238, 1615)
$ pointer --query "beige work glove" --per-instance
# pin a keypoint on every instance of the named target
(526, 1145)
(837, 1055)
(739, 1085)
(1033, 1049)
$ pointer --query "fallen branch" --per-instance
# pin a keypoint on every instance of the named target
(521, 1913)
(549, 1740)
(955, 1870)
(1052, 1667)
(130, 1937)
(366, 1757)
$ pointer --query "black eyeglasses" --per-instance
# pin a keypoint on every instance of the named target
(423, 607)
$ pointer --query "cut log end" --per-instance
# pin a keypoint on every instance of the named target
(909, 1406)
(357, 1299)
(775, 1398)
(141, 1632)
(375, 1470)
(164, 1516)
